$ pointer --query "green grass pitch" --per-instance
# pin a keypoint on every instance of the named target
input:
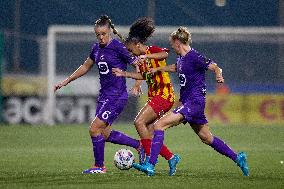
(54, 156)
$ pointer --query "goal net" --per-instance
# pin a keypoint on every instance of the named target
(252, 59)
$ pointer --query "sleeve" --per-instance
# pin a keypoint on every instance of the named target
(202, 62)
(125, 54)
(92, 53)
(177, 60)
(155, 49)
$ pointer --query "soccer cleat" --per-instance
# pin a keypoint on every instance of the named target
(141, 154)
(95, 170)
(146, 159)
(242, 163)
(173, 164)
(137, 166)
(148, 168)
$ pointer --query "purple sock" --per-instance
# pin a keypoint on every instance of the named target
(221, 147)
(156, 146)
(99, 149)
(117, 137)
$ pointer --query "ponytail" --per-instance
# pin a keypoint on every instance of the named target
(115, 32)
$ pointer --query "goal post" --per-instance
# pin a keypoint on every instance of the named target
(1, 60)
(76, 34)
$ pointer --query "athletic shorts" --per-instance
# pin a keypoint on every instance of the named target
(160, 105)
(193, 112)
(108, 110)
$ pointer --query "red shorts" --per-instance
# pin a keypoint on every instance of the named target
(160, 105)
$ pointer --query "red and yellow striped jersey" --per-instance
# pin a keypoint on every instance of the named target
(158, 83)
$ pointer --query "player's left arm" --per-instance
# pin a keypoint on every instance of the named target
(168, 68)
(120, 73)
(158, 56)
(218, 72)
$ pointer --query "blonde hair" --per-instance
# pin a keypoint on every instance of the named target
(182, 34)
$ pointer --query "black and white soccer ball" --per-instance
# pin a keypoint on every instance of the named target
(123, 159)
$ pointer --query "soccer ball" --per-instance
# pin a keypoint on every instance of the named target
(123, 159)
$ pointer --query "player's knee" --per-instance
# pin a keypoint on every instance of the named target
(158, 126)
(206, 138)
(94, 130)
(139, 123)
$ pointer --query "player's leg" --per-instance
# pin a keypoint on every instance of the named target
(110, 112)
(117, 137)
(153, 109)
(107, 111)
(173, 159)
(96, 128)
(169, 120)
(181, 114)
(220, 146)
(144, 117)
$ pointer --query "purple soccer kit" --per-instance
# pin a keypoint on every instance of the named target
(112, 95)
(191, 71)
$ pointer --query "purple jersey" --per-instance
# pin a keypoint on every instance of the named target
(191, 71)
(114, 55)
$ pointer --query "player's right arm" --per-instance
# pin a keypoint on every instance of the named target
(82, 70)
(134, 75)
(169, 68)
(218, 72)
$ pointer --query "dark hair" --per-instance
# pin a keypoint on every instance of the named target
(141, 30)
(104, 20)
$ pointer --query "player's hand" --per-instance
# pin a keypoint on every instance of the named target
(60, 85)
(118, 72)
(136, 91)
(153, 70)
(142, 58)
(219, 77)
(137, 62)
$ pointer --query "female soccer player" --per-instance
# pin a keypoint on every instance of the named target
(191, 67)
(160, 90)
(106, 54)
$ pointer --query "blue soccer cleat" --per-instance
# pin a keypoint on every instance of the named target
(242, 163)
(148, 168)
(137, 166)
(95, 170)
(173, 164)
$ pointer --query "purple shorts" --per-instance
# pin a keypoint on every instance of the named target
(193, 112)
(108, 110)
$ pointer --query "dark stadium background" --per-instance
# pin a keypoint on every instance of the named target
(249, 68)
(36, 16)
